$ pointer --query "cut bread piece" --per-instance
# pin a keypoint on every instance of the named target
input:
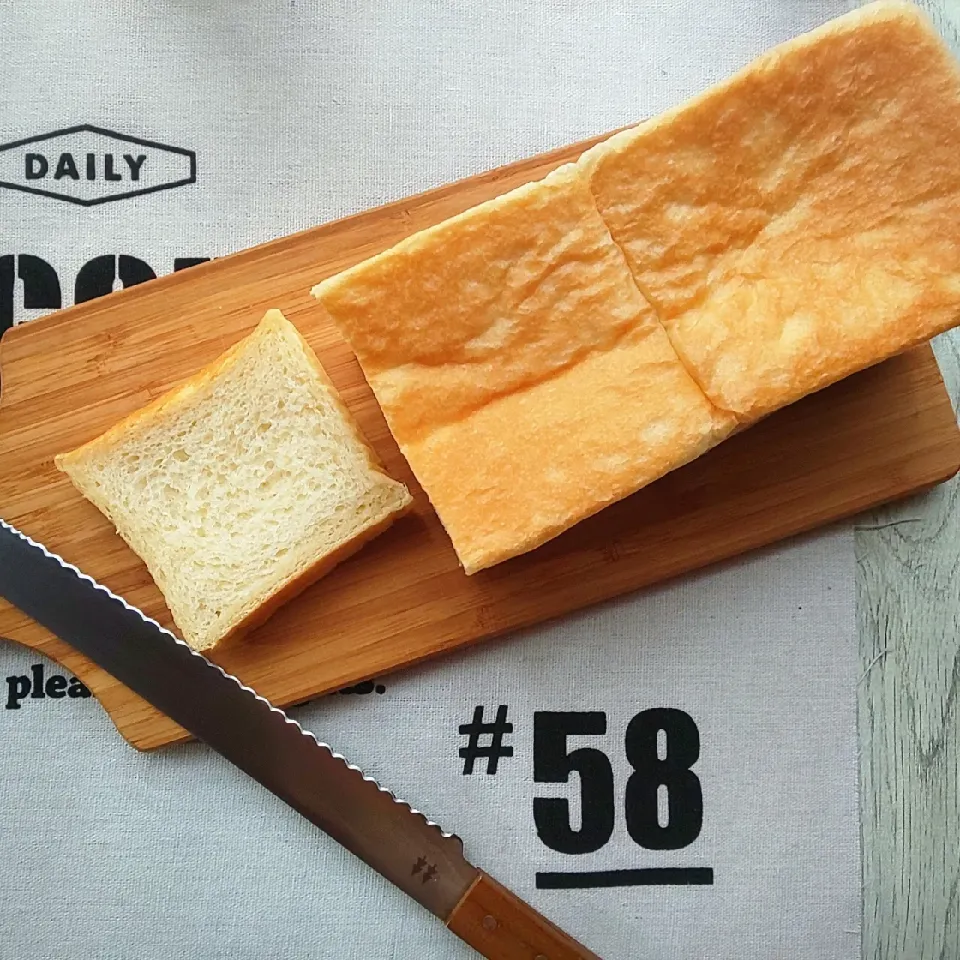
(241, 486)
(523, 375)
(801, 220)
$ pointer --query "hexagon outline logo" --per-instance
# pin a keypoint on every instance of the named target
(179, 178)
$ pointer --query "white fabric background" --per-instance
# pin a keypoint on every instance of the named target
(300, 113)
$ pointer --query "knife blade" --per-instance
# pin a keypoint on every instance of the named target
(397, 841)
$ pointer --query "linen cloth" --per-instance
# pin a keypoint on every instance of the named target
(298, 113)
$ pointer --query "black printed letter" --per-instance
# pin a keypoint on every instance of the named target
(76, 690)
(66, 168)
(41, 287)
(17, 689)
(134, 163)
(36, 164)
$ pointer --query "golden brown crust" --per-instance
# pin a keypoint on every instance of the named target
(529, 465)
(275, 319)
(801, 220)
(149, 412)
(520, 370)
(100, 448)
(293, 587)
(791, 226)
(272, 321)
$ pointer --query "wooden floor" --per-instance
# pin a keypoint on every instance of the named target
(909, 608)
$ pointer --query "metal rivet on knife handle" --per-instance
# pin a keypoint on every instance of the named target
(501, 926)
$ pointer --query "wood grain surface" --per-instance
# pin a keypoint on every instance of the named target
(501, 926)
(880, 435)
(909, 609)
(909, 700)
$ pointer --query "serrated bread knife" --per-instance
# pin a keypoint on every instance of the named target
(384, 832)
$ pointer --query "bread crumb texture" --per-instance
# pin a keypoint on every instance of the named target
(247, 478)
(802, 220)
(526, 379)
(555, 349)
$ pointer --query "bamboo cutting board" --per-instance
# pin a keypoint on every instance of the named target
(880, 435)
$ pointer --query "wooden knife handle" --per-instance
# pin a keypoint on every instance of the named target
(500, 926)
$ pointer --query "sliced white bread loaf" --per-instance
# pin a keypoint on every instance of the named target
(551, 351)
(241, 486)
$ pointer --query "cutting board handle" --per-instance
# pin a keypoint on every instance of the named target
(101, 685)
(501, 926)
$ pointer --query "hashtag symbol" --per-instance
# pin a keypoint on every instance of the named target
(495, 731)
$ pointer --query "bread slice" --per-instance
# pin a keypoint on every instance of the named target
(241, 486)
(525, 378)
(801, 220)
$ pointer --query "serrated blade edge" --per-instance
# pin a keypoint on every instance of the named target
(388, 833)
